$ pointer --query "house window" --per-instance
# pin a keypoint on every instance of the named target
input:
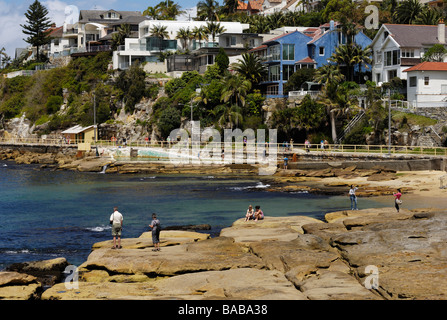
(392, 58)
(287, 71)
(274, 73)
(111, 15)
(378, 57)
(407, 53)
(413, 81)
(392, 74)
(275, 52)
(230, 41)
(210, 59)
(426, 81)
(288, 52)
(377, 77)
(321, 51)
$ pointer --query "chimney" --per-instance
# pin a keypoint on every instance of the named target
(332, 25)
(441, 31)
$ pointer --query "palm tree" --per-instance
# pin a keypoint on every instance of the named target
(429, 16)
(344, 56)
(231, 116)
(213, 29)
(251, 68)
(259, 24)
(3, 56)
(199, 34)
(362, 56)
(184, 34)
(169, 10)
(408, 11)
(119, 37)
(151, 12)
(330, 76)
(235, 89)
(207, 10)
(159, 32)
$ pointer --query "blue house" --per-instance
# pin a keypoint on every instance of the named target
(310, 48)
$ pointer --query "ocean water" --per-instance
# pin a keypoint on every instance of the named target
(47, 214)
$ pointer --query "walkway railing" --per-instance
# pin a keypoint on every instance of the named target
(281, 148)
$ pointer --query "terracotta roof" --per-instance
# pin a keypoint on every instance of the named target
(429, 66)
(306, 60)
(255, 4)
(263, 46)
(242, 5)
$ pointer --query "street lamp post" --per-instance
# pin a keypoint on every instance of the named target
(389, 123)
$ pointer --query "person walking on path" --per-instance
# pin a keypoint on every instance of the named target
(156, 227)
(353, 197)
(397, 200)
(116, 220)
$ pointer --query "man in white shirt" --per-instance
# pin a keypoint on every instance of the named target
(116, 220)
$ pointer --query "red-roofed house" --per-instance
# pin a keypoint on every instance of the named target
(427, 84)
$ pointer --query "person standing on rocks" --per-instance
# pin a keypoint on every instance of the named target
(397, 200)
(353, 197)
(156, 227)
(116, 220)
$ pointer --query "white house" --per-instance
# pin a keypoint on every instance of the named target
(427, 84)
(397, 47)
(147, 48)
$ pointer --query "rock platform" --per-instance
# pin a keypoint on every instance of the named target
(278, 258)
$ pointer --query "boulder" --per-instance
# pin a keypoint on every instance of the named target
(47, 272)
(19, 286)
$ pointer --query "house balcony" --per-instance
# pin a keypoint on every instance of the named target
(410, 61)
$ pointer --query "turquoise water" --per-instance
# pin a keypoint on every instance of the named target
(48, 214)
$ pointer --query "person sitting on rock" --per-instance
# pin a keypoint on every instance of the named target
(259, 215)
(250, 213)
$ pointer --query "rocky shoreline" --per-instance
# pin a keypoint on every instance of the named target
(278, 258)
(292, 180)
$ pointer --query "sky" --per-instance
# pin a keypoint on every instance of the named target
(12, 15)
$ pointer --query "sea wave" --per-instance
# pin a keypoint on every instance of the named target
(259, 185)
(98, 229)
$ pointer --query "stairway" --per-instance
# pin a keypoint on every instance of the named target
(359, 116)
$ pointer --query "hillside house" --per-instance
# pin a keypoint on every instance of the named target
(397, 47)
(308, 48)
(427, 84)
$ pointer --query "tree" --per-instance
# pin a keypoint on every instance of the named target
(151, 12)
(435, 53)
(37, 25)
(251, 68)
(133, 86)
(184, 34)
(207, 10)
(199, 34)
(297, 79)
(160, 33)
(214, 29)
(235, 89)
(168, 10)
(330, 76)
(119, 37)
(222, 61)
(408, 11)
